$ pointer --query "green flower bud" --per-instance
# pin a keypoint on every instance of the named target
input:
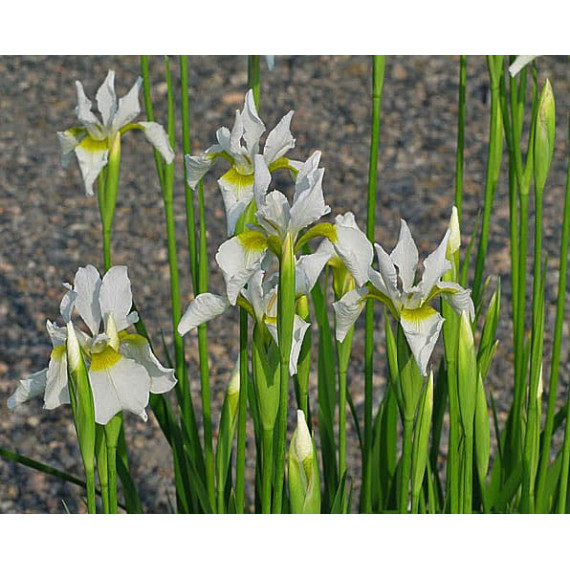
(544, 136)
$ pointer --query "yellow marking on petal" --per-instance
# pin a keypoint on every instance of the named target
(417, 316)
(105, 359)
(282, 163)
(237, 181)
(132, 338)
(253, 240)
(323, 229)
(58, 352)
(92, 145)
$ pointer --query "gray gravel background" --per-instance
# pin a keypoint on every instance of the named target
(48, 227)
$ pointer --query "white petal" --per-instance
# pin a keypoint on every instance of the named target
(454, 242)
(91, 162)
(28, 388)
(67, 142)
(270, 60)
(57, 335)
(520, 62)
(87, 286)
(157, 137)
(67, 304)
(56, 385)
(308, 269)
(300, 327)
(256, 295)
(309, 205)
(237, 193)
(129, 106)
(458, 297)
(347, 310)
(115, 295)
(253, 125)
(307, 172)
(86, 116)
(353, 248)
(436, 265)
(421, 328)
(137, 348)
(202, 309)
(389, 277)
(237, 265)
(405, 256)
(236, 135)
(261, 180)
(197, 167)
(274, 215)
(106, 99)
(279, 140)
(118, 383)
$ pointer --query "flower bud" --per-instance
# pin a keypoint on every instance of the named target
(454, 242)
(544, 136)
(304, 482)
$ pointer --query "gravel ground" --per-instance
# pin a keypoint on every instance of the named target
(48, 227)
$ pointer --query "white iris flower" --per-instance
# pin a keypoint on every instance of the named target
(395, 286)
(91, 141)
(245, 254)
(122, 368)
(239, 147)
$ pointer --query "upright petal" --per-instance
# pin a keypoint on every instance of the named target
(92, 157)
(115, 296)
(239, 258)
(436, 265)
(279, 140)
(106, 99)
(129, 107)
(57, 335)
(137, 348)
(67, 303)
(520, 62)
(202, 309)
(387, 273)
(253, 125)
(309, 205)
(86, 117)
(87, 285)
(28, 388)
(261, 180)
(157, 137)
(118, 383)
(306, 174)
(353, 248)
(405, 256)
(421, 327)
(256, 295)
(274, 214)
(347, 310)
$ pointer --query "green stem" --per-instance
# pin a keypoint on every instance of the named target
(378, 66)
(405, 466)
(112, 430)
(267, 471)
(242, 413)
(254, 77)
(460, 135)
(102, 469)
(467, 473)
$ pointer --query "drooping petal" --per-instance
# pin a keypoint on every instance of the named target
(92, 156)
(87, 285)
(137, 348)
(347, 310)
(436, 265)
(421, 327)
(405, 256)
(115, 296)
(308, 269)
(309, 205)
(458, 297)
(68, 140)
(157, 137)
(57, 335)
(300, 327)
(256, 295)
(106, 99)
(28, 388)
(237, 193)
(520, 62)
(252, 124)
(129, 107)
(86, 117)
(353, 248)
(197, 167)
(239, 258)
(118, 383)
(202, 309)
(56, 383)
(279, 140)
